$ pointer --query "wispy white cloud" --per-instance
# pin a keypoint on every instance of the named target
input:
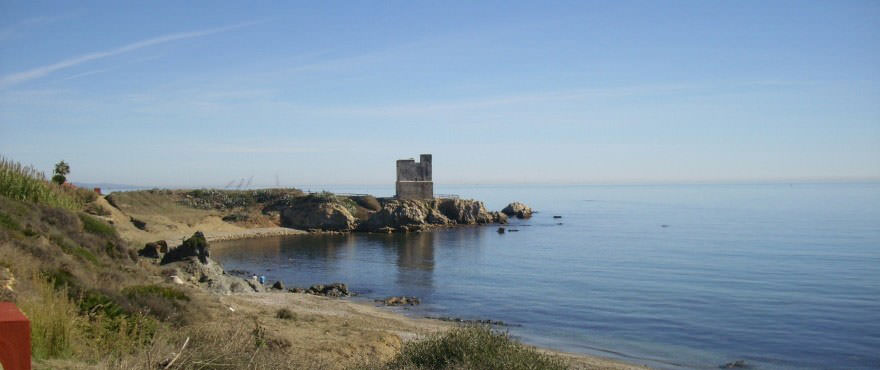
(88, 73)
(11, 31)
(16, 78)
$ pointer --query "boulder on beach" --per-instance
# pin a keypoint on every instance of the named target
(400, 301)
(195, 246)
(518, 210)
(154, 249)
(330, 290)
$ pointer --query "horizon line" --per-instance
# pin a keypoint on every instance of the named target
(818, 181)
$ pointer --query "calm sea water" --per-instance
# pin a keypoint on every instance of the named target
(783, 276)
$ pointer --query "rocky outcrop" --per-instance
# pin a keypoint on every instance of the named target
(518, 210)
(208, 275)
(329, 212)
(318, 215)
(469, 212)
(331, 290)
(154, 250)
(405, 215)
(190, 263)
(400, 301)
(195, 246)
(416, 215)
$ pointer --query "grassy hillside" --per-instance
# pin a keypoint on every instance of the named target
(91, 303)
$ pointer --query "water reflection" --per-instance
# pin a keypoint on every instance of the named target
(415, 261)
(376, 264)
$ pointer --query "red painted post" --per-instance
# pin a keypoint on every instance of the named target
(15, 338)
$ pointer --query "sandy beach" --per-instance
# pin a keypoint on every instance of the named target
(341, 332)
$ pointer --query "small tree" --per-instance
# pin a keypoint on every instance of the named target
(61, 171)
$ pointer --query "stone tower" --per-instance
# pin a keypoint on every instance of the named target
(414, 178)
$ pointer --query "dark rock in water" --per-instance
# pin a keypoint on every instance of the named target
(138, 223)
(517, 209)
(195, 246)
(513, 230)
(240, 273)
(400, 301)
(664, 226)
(557, 216)
(278, 285)
(466, 321)
(154, 249)
(738, 364)
(501, 230)
(331, 290)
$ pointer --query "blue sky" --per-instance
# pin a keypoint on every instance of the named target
(154, 93)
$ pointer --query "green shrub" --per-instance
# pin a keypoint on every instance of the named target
(285, 314)
(62, 279)
(96, 209)
(472, 347)
(96, 226)
(170, 293)
(85, 255)
(229, 199)
(96, 303)
(8, 222)
(55, 325)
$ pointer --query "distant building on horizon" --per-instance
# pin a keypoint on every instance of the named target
(414, 178)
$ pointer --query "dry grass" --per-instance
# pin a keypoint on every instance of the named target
(55, 323)
(146, 204)
(216, 346)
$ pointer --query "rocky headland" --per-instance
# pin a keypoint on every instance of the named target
(329, 212)
(181, 212)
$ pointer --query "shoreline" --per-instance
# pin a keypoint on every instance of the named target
(380, 329)
(254, 233)
(428, 324)
(368, 317)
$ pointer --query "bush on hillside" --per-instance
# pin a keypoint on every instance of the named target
(471, 347)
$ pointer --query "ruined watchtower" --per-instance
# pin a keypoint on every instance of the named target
(414, 178)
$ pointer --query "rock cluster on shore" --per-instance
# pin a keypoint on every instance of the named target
(400, 301)
(190, 263)
(329, 290)
(518, 210)
(331, 213)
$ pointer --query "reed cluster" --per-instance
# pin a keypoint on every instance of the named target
(26, 183)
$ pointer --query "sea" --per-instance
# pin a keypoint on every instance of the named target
(782, 276)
